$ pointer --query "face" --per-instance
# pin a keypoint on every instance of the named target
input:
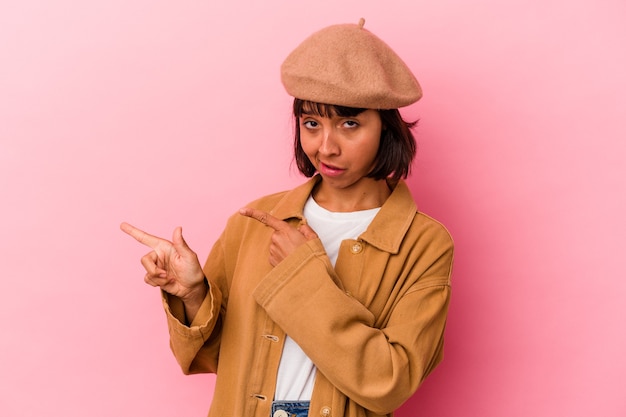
(342, 149)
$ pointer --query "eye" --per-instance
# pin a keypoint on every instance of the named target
(310, 124)
(350, 123)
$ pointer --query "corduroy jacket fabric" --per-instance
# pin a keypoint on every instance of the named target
(373, 325)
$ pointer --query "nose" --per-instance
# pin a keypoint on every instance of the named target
(329, 145)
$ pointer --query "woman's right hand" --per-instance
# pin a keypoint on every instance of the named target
(172, 266)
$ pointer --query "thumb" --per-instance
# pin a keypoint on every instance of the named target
(179, 241)
(307, 232)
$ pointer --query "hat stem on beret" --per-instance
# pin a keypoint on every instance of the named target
(361, 23)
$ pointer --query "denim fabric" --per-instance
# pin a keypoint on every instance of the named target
(290, 408)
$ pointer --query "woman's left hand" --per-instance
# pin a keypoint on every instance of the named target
(285, 238)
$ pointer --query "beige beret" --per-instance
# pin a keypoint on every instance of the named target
(347, 65)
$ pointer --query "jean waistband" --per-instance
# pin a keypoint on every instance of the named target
(290, 408)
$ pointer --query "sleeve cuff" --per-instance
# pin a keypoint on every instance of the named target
(202, 324)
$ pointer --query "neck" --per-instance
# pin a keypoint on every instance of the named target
(367, 194)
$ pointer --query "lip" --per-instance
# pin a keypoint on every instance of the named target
(329, 170)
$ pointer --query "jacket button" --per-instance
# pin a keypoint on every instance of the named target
(356, 248)
(280, 413)
(325, 412)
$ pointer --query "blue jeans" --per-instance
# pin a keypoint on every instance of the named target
(290, 409)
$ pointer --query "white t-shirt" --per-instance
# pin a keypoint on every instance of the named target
(296, 372)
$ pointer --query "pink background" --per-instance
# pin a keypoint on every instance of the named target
(166, 113)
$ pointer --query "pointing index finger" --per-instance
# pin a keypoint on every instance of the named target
(263, 217)
(140, 236)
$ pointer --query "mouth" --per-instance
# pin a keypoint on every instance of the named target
(330, 170)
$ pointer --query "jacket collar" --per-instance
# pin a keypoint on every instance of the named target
(386, 231)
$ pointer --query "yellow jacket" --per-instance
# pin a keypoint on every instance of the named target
(373, 325)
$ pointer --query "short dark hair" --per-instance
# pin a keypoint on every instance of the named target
(397, 144)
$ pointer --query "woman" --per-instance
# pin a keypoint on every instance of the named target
(329, 299)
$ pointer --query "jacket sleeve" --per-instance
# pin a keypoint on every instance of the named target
(196, 345)
(378, 368)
